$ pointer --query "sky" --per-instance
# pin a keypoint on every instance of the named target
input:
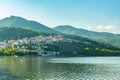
(95, 15)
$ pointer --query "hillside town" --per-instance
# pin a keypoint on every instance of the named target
(38, 43)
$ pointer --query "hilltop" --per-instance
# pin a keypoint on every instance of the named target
(15, 21)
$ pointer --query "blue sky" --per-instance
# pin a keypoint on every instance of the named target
(96, 15)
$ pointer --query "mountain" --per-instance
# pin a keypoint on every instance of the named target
(67, 45)
(14, 21)
(109, 38)
(8, 33)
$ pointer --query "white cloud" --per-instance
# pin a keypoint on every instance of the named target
(100, 27)
(111, 27)
(108, 27)
(89, 27)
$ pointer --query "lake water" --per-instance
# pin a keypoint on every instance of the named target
(51, 68)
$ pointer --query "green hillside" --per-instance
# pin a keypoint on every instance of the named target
(68, 45)
(7, 33)
(78, 46)
(108, 38)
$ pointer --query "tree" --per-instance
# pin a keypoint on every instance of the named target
(87, 49)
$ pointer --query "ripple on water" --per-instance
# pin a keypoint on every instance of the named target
(34, 68)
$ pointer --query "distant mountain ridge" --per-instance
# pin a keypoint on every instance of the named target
(15, 21)
(109, 38)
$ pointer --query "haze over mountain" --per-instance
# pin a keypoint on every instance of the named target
(109, 38)
(15, 21)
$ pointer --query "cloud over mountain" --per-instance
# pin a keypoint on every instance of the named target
(108, 27)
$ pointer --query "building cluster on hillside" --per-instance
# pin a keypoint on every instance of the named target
(34, 43)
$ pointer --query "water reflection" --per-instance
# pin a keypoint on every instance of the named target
(42, 68)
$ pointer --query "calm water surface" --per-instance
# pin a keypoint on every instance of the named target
(50, 68)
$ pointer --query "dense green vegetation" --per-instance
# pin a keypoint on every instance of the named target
(11, 52)
(84, 47)
(109, 38)
(8, 33)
